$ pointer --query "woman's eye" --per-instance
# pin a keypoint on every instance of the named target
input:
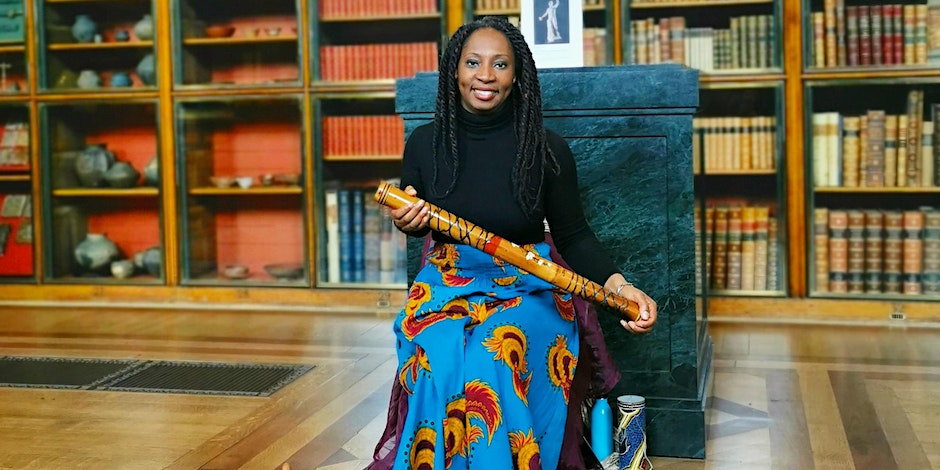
(500, 65)
(471, 63)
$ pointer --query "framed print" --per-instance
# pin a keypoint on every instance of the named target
(553, 29)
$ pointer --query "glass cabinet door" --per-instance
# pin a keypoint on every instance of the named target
(13, 69)
(361, 141)
(16, 213)
(101, 197)
(95, 46)
(241, 163)
(237, 43)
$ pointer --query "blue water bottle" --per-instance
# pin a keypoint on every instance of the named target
(602, 433)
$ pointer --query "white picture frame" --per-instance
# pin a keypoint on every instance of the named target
(554, 31)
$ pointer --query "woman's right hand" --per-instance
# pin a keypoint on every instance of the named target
(412, 217)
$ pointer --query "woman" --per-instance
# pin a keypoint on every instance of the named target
(487, 352)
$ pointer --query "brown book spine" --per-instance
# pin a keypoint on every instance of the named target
(762, 214)
(891, 151)
(734, 247)
(838, 251)
(913, 252)
(856, 270)
(864, 35)
(773, 254)
(850, 151)
(821, 246)
(931, 274)
(851, 36)
(875, 150)
(748, 222)
(720, 261)
(893, 248)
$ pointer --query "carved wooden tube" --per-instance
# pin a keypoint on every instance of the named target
(477, 237)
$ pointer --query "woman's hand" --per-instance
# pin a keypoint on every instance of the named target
(412, 217)
(646, 304)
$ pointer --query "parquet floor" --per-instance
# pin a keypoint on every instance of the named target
(784, 396)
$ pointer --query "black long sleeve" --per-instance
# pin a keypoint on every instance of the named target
(484, 191)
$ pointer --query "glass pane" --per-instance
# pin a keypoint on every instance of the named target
(16, 212)
(102, 200)
(244, 205)
(97, 45)
(737, 174)
(361, 145)
(240, 42)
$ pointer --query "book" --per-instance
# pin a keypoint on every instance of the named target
(912, 252)
(838, 251)
(331, 217)
(821, 247)
(856, 252)
(874, 250)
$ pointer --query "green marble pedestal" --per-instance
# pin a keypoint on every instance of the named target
(630, 129)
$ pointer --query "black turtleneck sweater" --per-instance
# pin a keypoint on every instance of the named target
(484, 193)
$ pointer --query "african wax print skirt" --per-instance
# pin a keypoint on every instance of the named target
(487, 353)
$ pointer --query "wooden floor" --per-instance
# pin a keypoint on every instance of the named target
(784, 396)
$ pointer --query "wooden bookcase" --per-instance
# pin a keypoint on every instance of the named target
(205, 87)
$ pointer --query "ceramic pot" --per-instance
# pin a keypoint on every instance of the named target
(88, 79)
(150, 260)
(120, 80)
(92, 164)
(152, 172)
(122, 175)
(122, 35)
(122, 269)
(146, 70)
(95, 252)
(84, 28)
(144, 28)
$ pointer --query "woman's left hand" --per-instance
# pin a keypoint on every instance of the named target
(647, 311)
(647, 306)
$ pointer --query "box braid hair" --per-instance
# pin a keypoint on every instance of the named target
(532, 152)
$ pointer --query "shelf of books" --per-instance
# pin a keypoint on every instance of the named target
(740, 222)
(373, 43)
(596, 20)
(874, 226)
(362, 140)
(726, 41)
(16, 208)
(871, 36)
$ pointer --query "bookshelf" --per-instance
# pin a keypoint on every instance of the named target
(223, 69)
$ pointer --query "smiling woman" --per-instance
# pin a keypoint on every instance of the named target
(486, 73)
(491, 348)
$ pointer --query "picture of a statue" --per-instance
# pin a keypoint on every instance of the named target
(550, 17)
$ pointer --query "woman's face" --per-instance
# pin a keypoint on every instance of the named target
(486, 71)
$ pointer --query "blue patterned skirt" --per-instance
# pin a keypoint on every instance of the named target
(487, 353)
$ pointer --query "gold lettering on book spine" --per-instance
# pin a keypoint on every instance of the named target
(479, 238)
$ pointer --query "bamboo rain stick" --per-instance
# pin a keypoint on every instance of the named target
(477, 237)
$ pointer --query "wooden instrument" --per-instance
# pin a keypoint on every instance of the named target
(477, 237)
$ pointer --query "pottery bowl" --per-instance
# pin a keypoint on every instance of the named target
(273, 31)
(285, 271)
(122, 269)
(219, 31)
(266, 179)
(287, 179)
(235, 271)
(222, 181)
(244, 182)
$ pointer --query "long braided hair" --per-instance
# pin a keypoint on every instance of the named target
(533, 155)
